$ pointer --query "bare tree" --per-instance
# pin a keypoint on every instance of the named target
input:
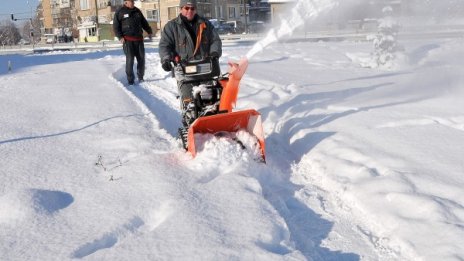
(26, 32)
(31, 30)
(9, 33)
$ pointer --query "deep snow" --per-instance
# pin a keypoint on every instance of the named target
(361, 163)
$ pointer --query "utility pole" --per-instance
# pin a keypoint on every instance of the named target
(245, 14)
(96, 22)
(159, 15)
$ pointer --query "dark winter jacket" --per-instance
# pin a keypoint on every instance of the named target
(130, 22)
(177, 40)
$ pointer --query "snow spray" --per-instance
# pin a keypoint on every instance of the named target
(304, 11)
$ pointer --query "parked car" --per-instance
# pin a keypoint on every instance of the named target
(50, 38)
(237, 26)
(222, 27)
(225, 29)
(257, 27)
(24, 42)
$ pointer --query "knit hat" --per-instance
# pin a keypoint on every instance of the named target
(188, 2)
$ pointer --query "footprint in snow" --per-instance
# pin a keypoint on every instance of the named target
(109, 239)
(50, 201)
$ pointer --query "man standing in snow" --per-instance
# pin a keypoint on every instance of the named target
(189, 37)
(128, 26)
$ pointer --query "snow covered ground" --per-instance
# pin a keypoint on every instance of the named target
(362, 164)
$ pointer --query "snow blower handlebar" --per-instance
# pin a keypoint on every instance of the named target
(173, 65)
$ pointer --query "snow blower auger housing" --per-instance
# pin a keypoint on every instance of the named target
(213, 101)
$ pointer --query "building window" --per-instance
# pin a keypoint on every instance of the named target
(103, 3)
(221, 12)
(64, 4)
(205, 11)
(84, 4)
(152, 15)
(91, 31)
(173, 12)
(116, 2)
(231, 12)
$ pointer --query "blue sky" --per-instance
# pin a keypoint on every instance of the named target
(20, 7)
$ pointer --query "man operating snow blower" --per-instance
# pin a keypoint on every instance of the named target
(190, 38)
(190, 48)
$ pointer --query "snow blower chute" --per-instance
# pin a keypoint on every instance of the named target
(213, 101)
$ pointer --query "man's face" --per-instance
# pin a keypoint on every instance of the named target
(129, 3)
(189, 12)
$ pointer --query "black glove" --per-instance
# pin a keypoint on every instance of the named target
(214, 55)
(166, 65)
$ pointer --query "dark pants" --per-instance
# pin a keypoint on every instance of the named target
(134, 49)
(185, 91)
(186, 102)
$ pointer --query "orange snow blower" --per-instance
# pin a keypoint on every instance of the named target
(213, 101)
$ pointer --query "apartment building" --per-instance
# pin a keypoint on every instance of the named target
(91, 20)
(94, 18)
(56, 20)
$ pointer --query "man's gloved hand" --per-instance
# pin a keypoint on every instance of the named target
(214, 55)
(166, 65)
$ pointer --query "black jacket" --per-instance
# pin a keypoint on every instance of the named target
(177, 40)
(130, 22)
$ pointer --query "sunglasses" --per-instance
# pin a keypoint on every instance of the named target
(187, 8)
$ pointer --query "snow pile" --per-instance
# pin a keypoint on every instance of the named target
(227, 147)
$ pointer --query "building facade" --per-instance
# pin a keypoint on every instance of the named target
(91, 20)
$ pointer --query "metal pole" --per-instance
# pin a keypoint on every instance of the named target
(245, 14)
(32, 35)
(96, 22)
(31, 30)
(159, 15)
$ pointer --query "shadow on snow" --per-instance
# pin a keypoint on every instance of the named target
(69, 131)
(169, 118)
(294, 139)
(22, 61)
